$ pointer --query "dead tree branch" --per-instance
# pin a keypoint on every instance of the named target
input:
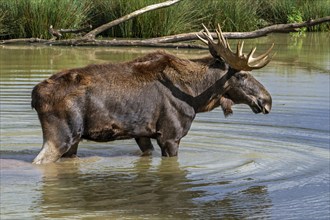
(167, 41)
(24, 41)
(92, 34)
(76, 31)
(244, 35)
(58, 33)
(128, 43)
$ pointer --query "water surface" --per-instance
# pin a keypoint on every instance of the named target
(249, 166)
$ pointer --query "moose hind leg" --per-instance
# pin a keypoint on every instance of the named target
(145, 145)
(58, 140)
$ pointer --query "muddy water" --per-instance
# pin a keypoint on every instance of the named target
(272, 166)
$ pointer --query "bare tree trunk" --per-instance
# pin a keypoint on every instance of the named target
(92, 34)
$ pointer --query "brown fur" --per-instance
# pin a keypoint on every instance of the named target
(159, 64)
(153, 66)
(226, 105)
(59, 87)
(215, 102)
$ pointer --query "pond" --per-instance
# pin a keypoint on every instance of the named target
(246, 166)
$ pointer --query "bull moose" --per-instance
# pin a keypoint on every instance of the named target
(152, 97)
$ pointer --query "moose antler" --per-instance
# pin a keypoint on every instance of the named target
(238, 60)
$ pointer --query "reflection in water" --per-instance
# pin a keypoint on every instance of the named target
(244, 166)
(145, 190)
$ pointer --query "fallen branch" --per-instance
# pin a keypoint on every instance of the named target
(58, 33)
(24, 40)
(76, 31)
(92, 34)
(168, 41)
(244, 35)
(126, 43)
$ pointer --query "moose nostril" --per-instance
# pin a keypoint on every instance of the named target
(265, 106)
(266, 109)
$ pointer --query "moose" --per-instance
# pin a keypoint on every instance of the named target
(156, 96)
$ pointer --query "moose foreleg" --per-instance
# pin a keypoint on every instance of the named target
(169, 148)
(145, 145)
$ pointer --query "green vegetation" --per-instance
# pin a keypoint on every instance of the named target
(178, 18)
(32, 18)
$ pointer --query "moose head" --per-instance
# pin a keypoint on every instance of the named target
(244, 88)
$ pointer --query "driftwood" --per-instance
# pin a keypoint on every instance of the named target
(59, 33)
(130, 43)
(171, 41)
(24, 41)
(76, 31)
(166, 41)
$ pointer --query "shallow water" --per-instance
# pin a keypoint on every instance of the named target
(246, 166)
